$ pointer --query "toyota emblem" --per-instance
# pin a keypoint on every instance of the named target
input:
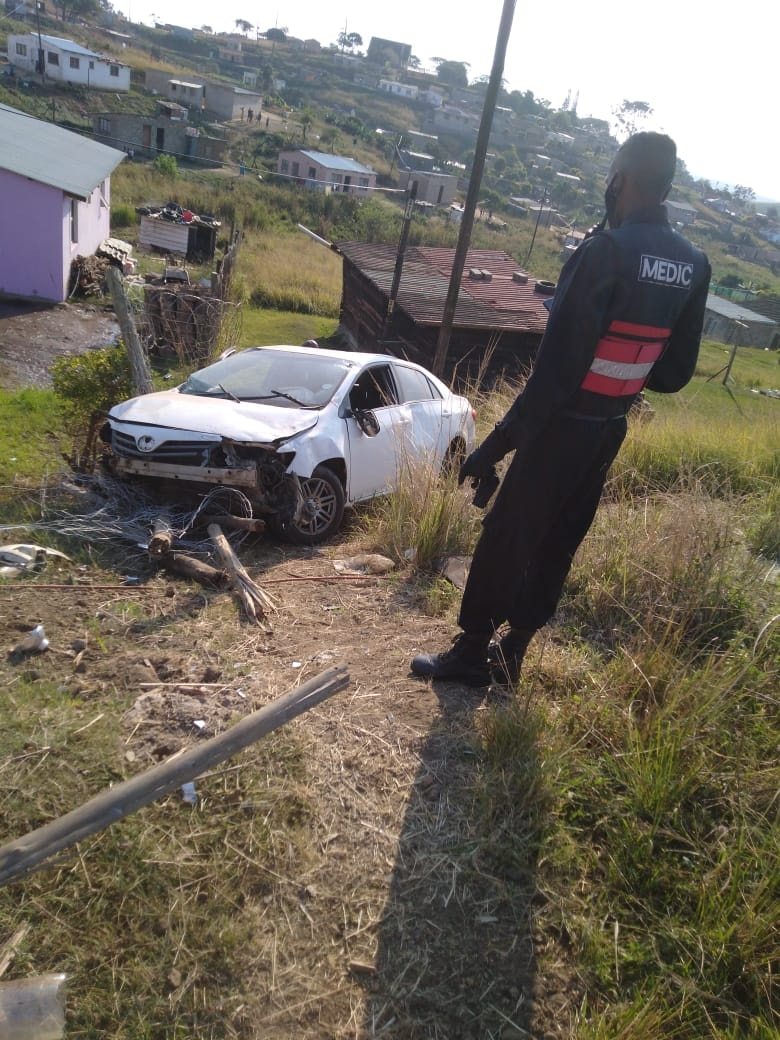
(146, 443)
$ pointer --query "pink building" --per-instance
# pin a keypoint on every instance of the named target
(55, 187)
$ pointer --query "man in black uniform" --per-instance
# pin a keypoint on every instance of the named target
(627, 314)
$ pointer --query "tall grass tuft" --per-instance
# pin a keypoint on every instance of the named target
(661, 563)
(425, 519)
(658, 847)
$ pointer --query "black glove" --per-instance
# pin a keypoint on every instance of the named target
(480, 464)
(475, 466)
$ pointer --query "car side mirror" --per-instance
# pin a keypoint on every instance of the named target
(367, 421)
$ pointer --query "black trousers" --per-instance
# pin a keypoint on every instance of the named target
(543, 510)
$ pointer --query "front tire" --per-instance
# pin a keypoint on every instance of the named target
(322, 512)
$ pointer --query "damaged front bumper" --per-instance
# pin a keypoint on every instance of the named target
(241, 478)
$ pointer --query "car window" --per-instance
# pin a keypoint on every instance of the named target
(308, 379)
(374, 388)
(414, 385)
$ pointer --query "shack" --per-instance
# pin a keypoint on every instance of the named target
(499, 319)
(728, 322)
(172, 229)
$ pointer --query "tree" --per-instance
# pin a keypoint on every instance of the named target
(743, 193)
(276, 35)
(348, 41)
(72, 9)
(453, 73)
(631, 116)
(207, 29)
(330, 136)
(306, 118)
(243, 26)
(491, 200)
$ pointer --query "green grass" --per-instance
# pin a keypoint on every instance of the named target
(261, 327)
(153, 921)
(31, 431)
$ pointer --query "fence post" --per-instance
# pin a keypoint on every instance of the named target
(142, 375)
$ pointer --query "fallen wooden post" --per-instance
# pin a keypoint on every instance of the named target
(190, 567)
(113, 804)
(255, 601)
(161, 541)
(237, 523)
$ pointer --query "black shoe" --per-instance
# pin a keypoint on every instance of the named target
(506, 656)
(466, 660)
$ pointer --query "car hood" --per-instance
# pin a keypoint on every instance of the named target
(243, 421)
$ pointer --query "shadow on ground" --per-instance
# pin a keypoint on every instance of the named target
(455, 954)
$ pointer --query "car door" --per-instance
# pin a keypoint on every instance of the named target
(431, 416)
(374, 462)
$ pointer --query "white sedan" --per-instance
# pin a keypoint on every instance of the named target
(302, 431)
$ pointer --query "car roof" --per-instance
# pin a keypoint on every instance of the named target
(355, 357)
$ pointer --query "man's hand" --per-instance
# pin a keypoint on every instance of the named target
(476, 465)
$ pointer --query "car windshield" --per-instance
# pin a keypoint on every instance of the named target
(281, 378)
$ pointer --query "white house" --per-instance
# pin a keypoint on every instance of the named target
(67, 62)
(403, 90)
(56, 192)
(326, 172)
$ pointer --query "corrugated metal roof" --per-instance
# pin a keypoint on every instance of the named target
(51, 155)
(336, 162)
(735, 311)
(69, 46)
(498, 303)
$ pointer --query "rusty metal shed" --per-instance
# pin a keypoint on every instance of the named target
(500, 314)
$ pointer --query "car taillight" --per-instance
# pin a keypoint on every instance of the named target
(474, 414)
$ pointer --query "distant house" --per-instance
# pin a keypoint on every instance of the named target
(432, 186)
(56, 192)
(403, 90)
(388, 52)
(225, 100)
(67, 62)
(451, 120)
(229, 50)
(168, 130)
(730, 322)
(325, 172)
(680, 212)
(500, 315)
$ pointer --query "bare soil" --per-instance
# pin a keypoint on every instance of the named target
(32, 335)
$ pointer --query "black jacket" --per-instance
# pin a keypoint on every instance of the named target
(641, 274)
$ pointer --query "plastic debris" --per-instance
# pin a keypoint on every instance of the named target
(33, 642)
(33, 1009)
(17, 558)
(365, 563)
(189, 794)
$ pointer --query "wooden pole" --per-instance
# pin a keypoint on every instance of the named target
(399, 260)
(467, 220)
(113, 804)
(142, 376)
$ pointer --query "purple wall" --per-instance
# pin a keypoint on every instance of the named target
(35, 236)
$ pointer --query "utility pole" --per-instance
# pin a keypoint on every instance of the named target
(472, 195)
(41, 57)
(399, 260)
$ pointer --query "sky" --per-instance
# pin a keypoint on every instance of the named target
(708, 72)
